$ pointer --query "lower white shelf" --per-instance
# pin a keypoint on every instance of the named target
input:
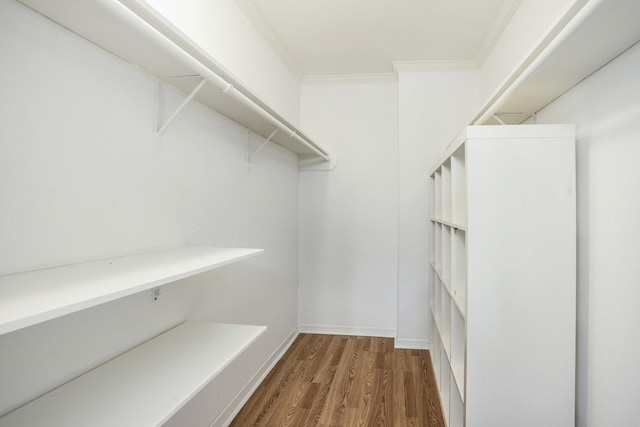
(37, 296)
(145, 386)
(458, 376)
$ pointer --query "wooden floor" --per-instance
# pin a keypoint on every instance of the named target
(329, 380)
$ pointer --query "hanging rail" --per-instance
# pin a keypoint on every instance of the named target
(140, 15)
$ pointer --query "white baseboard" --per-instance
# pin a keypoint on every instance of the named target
(412, 344)
(230, 412)
(347, 330)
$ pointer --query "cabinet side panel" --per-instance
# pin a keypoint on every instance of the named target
(521, 282)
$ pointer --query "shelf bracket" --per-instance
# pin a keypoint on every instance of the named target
(524, 117)
(498, 119)
(159, 129)
(255, 153)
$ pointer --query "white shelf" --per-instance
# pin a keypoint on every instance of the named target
(455, 225)
(602, 30)
(145, 386)
(37, 296)
(456, 409)
(458, 376)
(135, 32)
(460, 302)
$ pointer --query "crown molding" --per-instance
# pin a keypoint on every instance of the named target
(348, 78)
(434, 65)
(498, 26)
(256, 19)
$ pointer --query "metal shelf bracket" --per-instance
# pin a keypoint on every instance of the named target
(159, 129)
(523, 117)
(255, 153)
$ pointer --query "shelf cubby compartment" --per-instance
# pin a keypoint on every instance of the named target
(432, 242)
(456, 407)
(432, 287)
(458, 188)
(435, 348)
(438, 304)
(445, 269)
(438, 193)
(459, 269)
(37, 296)
(438, 248)
(445, 386)
(432, 197)
(144, 386)
(445, 179)
(446, 324)
(458, 350)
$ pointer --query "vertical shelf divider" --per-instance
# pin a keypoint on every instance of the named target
(446, 190)
(446, 257)
(438, 194)
(459, 269)
(458, 187)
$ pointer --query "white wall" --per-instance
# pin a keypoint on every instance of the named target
(433, 108)
(606, 110)
(348, 217)
(80, 179)
(222, 29)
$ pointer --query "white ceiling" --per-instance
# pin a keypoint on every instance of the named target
(326, 37)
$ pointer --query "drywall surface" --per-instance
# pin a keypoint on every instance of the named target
(81, 178)
(531, 21)
(348, 217)
(606, 110)
(433, 108)
(221, 28)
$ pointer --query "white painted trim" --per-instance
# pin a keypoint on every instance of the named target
(232, 409)
(263, 27)
(413, 344)
(347, 330)
(498, 26)
(348, 78)
(434, 65)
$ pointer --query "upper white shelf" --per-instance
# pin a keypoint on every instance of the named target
(145, 386)
(598, 33)
(37, 296)
(141, 36)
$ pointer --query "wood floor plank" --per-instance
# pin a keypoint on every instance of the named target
(334, 381)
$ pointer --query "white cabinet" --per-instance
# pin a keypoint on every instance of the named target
(503, 295)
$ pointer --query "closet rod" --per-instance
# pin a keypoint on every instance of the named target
(127, 12)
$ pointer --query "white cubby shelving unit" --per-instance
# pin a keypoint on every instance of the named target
(503, 267)
(148, 384)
